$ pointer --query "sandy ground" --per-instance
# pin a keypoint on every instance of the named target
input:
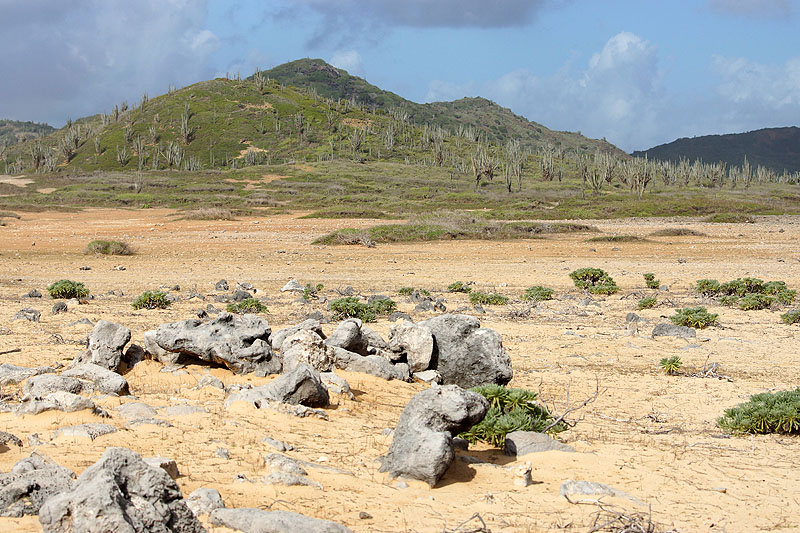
(648, 434)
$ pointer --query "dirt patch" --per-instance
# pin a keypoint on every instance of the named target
(17, 181)
(46, 190)
(264, 106)
(357, 123)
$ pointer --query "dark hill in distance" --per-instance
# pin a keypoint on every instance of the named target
(14, 131)
(496, 123)
(775, 148)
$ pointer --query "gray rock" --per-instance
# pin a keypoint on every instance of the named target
(238, 296)
(133, 355)
(33, 293)
(466, 354)
(59, 401)
(89, 431)
(427, 376)
(422, 447)
(289, 480)
(136, 422)
(305, 346)
(204, 500)
(158, 353)
(592, 488)
(399, 315)
(424, 307)
(27, 313)
(134, 410)
(167, 465)
(439, 306)
(302, 386)
(120, 493)
(374, 342)
(81, 322)
(221, 285)
(524, 442)
(240, 342)
(210, 381)
(318, 316)
(58, 307)
(6, 438)
(348, 337)
(276, 462)
(293, 285)
(223, 453)
(631, 317)
(43, 384)
(106, 342)
(310, 324)
(277, 444)
(671, 330)
(415, 341)
(245, 286)
(259, 521)
(30, 483)
(374, 365)
(184, 410)
(102, 379)
(336, 384)
(12, 374)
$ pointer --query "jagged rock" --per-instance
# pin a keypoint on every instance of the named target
(201, 314)
(374, 342)
(120, 493)
(59, 401)
(27, 313)
(632, 317)
(204, 500)
(671, 330)
(167, 465)
(318, 316)
(399, 315)
(439, 306)
(422, 447)
(134, 410)
(89, 431)
(102, 379)
(238, 296)
(309, 324)
(133, 355)
(33, 293)
(348, 337)
(245, 286)
(423, 307)
(106, 342)
(240, 342)
(210, 381)
(221, 285)
(293, 285)
(81, 322)
(524, 442)
(259, 521)
(374, 365)
(336, 384)
(6, 438)
(466, 354)
(211, 310)
(277, 444)
(302, 386)
(427, 376)
(43, 384)
(30, 483)
(413, 340)
(12, 374)
(305, 346)
(286, 471)
(58, 307)
(158, 353)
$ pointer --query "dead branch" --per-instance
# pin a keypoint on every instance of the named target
(567, 409)
(463, 528)
(15, 350)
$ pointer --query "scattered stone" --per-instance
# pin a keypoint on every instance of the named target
(221, 285)
(27, 313)
(374, 365)
(84, 267)
(413, 340)
(671, 330)
(33, 293)
(106, 342)
(591, 488)
(245, 286)
(223, 453)
(293, 285)
(238, 296)
(309, 324)
(478, 309)
(347, 291)
(424, 307)
(336, 384)
(58, 307)
(302, 386)
(34, 440)
(522, 476)
(184, 410)
(30, 483)
(210, 381)
(167, 465)
(59, 401)
(81, 322)
(102, 379)
(133, 356)
(631, 317)
(399, 315)
(120, 492)
(204, 500)
(240, 342)
(348, 336)
(135, 423)
(363, 515)
(12, 374)
(422, 447)
(520, 443)
(89, 431)
(318, 316)
(135, 410)
(466, 354)
(427, 376)
(6, 438)
(278, 445)
(201, 314)
(43, 384)
(258, 521)
(439, 306)
(119, 268)
(460, 444)
(305, 346)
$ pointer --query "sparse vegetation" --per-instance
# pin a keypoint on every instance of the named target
(537, 293)
(66, 289)
(248, 305)
(483, 298)
(730, 218)
(352, 307)
(671, 365)
(694, 317)
(152, 300)
(209, 213)
(651, 281)
(405, 291)
(747, 293)
(310, 291)
(458, 286)
(777, 412)
(647, 303)
(104, 247)
(594, 280)
(616, 238)
(677, 232)
(791, 317)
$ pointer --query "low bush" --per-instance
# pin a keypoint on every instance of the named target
(537, 293)
(248, 305)
(651, 281)
(459, 287)
(671, 365)
(352, 307)
(791, 317)
(694, 317)
(777, 412)
(755, 302)
(747, 293)
(677, 232)
(151, 300)
(647, 303)
(65, 288)
(594, 280)
(104, 247)
(483, 298)
(209, 213)
(509, 410)
(384, 306)
(616, 238)
(707, 287)
(405, 291)
(730, 218)
(310, 291)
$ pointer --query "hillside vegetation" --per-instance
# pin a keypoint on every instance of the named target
(14, 131)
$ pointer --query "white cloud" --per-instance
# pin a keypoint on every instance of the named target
(349, 60)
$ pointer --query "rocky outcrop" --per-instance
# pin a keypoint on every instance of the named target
(106, 343)
(259, 521)
(302, 385)
(30, 483)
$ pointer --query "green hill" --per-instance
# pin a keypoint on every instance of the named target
(774, 148)
(14, 131)
(471, 116)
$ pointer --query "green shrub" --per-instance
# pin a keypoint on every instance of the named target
(755, 302)
(483, 298)
(352, 307)
(459, 287)
(151, 300)
(65, 288)
(651, 281)
(248, 305)
(594, 280)
(537, 293)
(742, 286)
(791, 317)
(310, 291)
(671, 365)
(767, 412)
(647, 303)
(406, 291)
(108, 248)
(616, 238)
(707, 287)
(694, 317)
(384, 306)
(756, 293)
(730, 218)
(509, 410)
(729, 300)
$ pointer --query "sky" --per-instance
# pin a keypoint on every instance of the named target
(637, 72)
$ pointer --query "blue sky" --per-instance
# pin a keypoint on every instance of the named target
(638, 72)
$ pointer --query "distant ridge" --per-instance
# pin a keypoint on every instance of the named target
(775, 148)
(14, 131)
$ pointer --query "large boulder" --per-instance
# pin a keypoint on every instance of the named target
(302, 385)
(422, 447)
(30, 483)
(348, 337)
(204, 500)
(466, 354)
(120, 493)
(374, 365)
(12, 374)
(671, 330)
(415, 342)
(59, 401)
(260, 521)
(309, 324)
(102, 379)
(240, 342)
(44, 384)
(305, 346)
(106, 343)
